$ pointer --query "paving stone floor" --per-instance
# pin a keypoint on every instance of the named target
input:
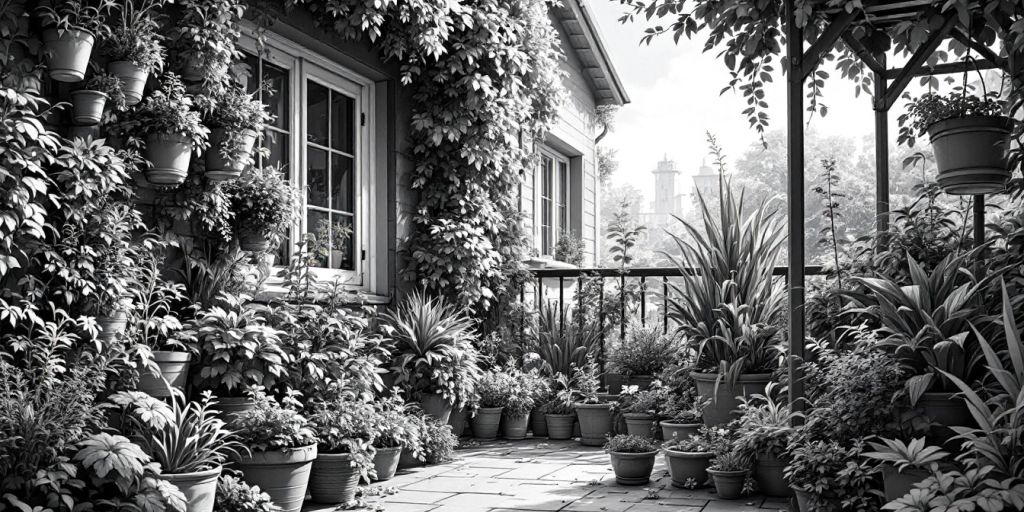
(543, 475)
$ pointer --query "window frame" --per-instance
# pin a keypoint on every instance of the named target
(559, 200)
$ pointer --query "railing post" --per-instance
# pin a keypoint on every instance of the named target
(622, 307)
(643, 301)
(664, 300)
(600, 306)
(561, 306)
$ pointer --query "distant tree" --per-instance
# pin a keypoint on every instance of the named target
(607, 163)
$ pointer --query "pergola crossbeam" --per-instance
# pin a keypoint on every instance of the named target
(917, 60)
(982, 49)
(826, 41)
(863, 53)
(943, 69)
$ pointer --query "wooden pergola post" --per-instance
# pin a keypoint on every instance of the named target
(795, 201)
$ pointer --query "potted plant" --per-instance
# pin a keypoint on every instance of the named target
(688, 458)
(764, 431)
(438, 442)
(632, 458)
(70, 31)
(643, 354)
(234, 495)
(202, 40)
(559, 413)
(493, 390)
(433, 359)
(812, 472)
(542, 393)
(412, 453)
(641, 408)
(166, 346)
(393, 431)
(235, 121)
(517, 405)
(729, 472)
(905, 465)
(344, 450)
(595, 417)
(171, 131)
(264, 206)
(134, 48)
(281, 450)
(186, 438)
(680, 420)
(96, 94)
(970, 137)
(237, 349)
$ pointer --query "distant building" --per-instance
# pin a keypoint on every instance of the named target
(705, 182)
(668, 202)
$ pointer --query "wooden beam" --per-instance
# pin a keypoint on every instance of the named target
(863, 54)
(903, 77)
(826, 40)
(982, 49)
(943, 69)
(795, 201)
(881, 159)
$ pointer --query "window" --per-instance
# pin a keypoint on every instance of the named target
(554, 201)
(321, 140)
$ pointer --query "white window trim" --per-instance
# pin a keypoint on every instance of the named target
(303, 63)
(538, 193)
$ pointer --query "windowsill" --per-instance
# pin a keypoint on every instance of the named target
(539, 262)
(273, 290)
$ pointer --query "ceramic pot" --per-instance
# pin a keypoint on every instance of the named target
(253, 242)
(385, 462)
(199, 488)
(595, 423)
(87, 107)
(614, 381)
(642, 382)
(436, 406)
(897, 484)
(809, 502)
(76, 132)
(408, 460)
(538, 424)
(133, 80)
(333, 479)
(559, 426)
(688, 467)
(112, 325)
(639, 424)
(219, 168)
(169, 155)
(514, 427)
(769, 478)
(728, 484)
(678, 431)
(283, 474)
(173, 373)
(971, 154)
(233, 406)
(457, 421)
(947, 410)
(485, 422)
(69, 53)
(632, 468)
(724, 403)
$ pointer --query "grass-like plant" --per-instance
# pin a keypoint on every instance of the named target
(646, 350)
(562, 341)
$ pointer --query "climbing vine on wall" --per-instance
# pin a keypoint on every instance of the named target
(485, 85)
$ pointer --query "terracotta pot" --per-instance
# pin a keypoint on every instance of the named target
(191, 70)
(199, 488)
(559, 426)
(897, 483)
(408, 460)
(87, 107)
(679, 431)
(728, 484)
(76, 132)
(595, 423)
(688, 467)
(69, 53)
(640, 381)
(971, 154)
(809, 502)
(639, 424)
(769, 478)
(232, 406)
(133, 80)
(538, 424)
(283, 474)
(385, 461)
(112, 325)
(173, 373)
(514, 427)
(253, 242)
(613, 381)
(457, 421)
(485, 422)
(632, 468)
(948, 410)
(169, 155)
(219, 168)
(723, 403)
(333, 478)
(436, 406)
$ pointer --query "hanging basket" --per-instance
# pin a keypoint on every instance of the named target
(69, 53)
(88, 107)
(169, 155)
(971, 154)
(219, 168)
(133, 80)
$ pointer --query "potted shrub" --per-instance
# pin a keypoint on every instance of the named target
(237, 349)
(393, 431)
(632, 458)
(235, 122)
(970, 137)
(642, 355)
(905, 465)
(688, 458)
(234, 495)
(433, 358)
(171, 132)
(493, 390)
(344, 450)
(96, 94)
(281, 450)
(641, 408)
(764, 431)
(541, 392)
(412, 454)
(812, 473)
(595, 417)
(166, 346)
(186, 438)
(517, 405)
(202, 40)
(729, 472)
(559, 413)
(264, 206)
(680, 420)
(134, 48)
(70, 28)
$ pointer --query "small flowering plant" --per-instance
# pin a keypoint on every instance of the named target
(272, 426)
(716, 440)
(649, 401)
(625, 443)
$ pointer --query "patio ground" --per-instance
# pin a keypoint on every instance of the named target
(503, 476)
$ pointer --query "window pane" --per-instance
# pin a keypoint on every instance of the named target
(277, 143)
(247, 71)
(342, 122)
(277, 97)
(341, 183)
(341, 242)
(318, 226)
(316, 177)
(316, 112)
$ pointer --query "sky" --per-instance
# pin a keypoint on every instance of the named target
(674, 92)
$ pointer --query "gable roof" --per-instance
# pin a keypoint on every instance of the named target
(585, 40)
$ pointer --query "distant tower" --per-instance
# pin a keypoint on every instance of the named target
(665, 188)
(705, 182)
